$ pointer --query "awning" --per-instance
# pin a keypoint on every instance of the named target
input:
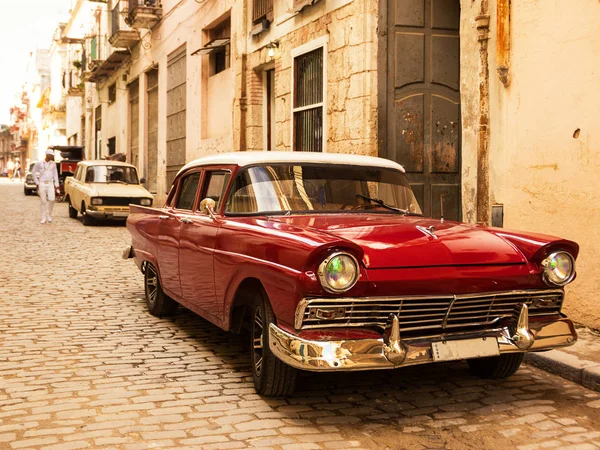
(212, 46)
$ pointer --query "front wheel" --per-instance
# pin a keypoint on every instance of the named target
(72, 211)
(272, 377)
(87, 219)
(496, 367)
(159, 304)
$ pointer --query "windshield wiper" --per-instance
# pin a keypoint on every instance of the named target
(406, 212)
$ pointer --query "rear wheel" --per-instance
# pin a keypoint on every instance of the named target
(272, 377)
(497, 367)
(87, 220)
(159, 304)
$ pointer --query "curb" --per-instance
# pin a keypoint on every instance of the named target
(566, 365)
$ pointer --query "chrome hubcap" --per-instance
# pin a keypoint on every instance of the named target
(257, 341)
(151, 284)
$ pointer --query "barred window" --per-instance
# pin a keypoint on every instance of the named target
(308, 101)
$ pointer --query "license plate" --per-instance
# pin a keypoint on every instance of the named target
(120, 214)
(464, 349)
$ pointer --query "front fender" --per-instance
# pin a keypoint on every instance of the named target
(283, 285)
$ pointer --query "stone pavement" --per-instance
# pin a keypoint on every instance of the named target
(83, 365)
(579, 363)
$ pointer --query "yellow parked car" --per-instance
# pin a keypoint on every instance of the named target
(104, 190)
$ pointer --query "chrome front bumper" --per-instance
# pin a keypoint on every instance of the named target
(391, 352)
(102, 214)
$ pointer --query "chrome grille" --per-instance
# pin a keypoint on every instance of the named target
(425, 312)
(120, 201)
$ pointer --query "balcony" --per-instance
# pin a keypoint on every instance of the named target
(144, 13)
(102, 59)
(122, 36)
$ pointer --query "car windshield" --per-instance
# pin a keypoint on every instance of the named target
(111, 174)
(287, 189)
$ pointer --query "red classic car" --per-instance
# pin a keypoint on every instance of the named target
(328, 262)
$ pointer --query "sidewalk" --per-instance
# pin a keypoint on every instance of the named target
(579, 363)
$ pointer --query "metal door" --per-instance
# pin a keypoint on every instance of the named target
(420, 99)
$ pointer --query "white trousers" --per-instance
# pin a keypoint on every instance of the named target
(46, 193)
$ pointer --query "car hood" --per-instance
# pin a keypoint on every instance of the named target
(119, 190)
(401, 241)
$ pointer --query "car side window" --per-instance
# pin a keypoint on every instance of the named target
(187, 192)
(214, 186)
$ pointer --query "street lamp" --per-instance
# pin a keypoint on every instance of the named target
(271, 49)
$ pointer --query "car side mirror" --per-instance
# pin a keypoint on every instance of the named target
(143, 180)
(207, 207)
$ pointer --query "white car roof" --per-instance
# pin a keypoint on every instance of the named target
(248, 158)
(104, 162)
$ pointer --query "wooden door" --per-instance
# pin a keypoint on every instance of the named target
(134, 123)
(176, 112)
(152, 130)
(420, 99)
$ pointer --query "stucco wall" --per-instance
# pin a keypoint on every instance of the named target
(348, 31)
(545, 142)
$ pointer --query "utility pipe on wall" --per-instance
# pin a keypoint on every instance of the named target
(503, 41)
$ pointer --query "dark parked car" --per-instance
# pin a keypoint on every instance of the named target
(29, 187)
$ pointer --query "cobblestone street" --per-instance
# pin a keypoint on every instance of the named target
(83, 365)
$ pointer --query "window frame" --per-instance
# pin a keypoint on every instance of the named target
(112, 93)
(206, 179)
(315, 44)
(175, 198)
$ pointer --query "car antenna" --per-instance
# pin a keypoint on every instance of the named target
(442, 196)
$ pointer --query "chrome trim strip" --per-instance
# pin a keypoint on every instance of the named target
(368, 354)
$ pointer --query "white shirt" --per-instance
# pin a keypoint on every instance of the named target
(45, 172)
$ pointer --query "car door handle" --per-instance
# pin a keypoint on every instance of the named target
(186, 220)
(163, 217)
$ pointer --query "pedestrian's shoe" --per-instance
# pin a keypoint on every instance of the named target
(43, 219)
(49, 219)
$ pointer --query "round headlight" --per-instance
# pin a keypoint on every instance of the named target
(559, 268)
(338, 272)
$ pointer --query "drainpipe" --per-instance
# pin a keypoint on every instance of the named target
(503, 41)
(483, 131)
(243, 78)
(243, 104)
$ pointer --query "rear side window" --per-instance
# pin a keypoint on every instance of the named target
(187, 193)
(215, 185)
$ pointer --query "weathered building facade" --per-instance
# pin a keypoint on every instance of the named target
(451, 89)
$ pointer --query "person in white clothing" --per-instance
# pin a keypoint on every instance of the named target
(45, 176)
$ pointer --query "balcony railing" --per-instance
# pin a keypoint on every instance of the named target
(122, 36)
(103, 60)
(144, 13)
(262, 9)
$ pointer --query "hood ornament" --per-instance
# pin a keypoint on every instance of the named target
(427, 231)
